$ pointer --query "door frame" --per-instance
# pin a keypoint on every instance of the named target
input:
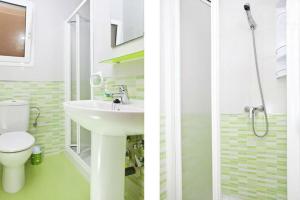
(293, 99)
(215, 99)
(171, 62)
(171, 96)
(67, 58)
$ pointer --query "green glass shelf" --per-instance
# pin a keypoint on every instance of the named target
(126, 58)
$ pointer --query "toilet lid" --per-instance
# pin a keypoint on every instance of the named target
(15, 141)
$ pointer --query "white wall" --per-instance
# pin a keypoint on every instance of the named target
(48, 35)
(238, 79)
(102, 44)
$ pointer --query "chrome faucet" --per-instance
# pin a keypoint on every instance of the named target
(122, 94)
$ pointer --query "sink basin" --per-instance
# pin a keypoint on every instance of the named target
(109, 125)
(100, 117)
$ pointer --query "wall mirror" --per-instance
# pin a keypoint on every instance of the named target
(127, 21)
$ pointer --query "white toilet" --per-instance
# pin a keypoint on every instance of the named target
(15, 143)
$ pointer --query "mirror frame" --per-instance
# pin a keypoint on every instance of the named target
(114, 31)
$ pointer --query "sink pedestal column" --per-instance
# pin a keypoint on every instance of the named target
(108, 167)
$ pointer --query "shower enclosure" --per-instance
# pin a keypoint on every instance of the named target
(77, 85)
(251, 98)
(214, 148)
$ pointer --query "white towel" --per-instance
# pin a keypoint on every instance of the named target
(281, 38)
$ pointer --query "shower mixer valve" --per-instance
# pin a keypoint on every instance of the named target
(252, 110)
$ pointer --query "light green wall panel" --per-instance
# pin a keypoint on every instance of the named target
(49, 97)
(253, 168)
(196, 156)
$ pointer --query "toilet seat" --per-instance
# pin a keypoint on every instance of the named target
(11, 142)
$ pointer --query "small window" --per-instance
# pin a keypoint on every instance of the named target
(15, 32)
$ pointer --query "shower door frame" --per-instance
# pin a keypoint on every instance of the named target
(75, 158)
(293, 99)
(215, 99)
(171, 61)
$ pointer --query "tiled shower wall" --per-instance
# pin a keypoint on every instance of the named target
(49, 98)
(253, 168)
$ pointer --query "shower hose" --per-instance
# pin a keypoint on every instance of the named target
(263, 107)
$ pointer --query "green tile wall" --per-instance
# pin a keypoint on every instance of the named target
(49, 97)
(253, 168)
(135, 86)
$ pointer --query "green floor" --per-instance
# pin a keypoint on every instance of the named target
(55, 179)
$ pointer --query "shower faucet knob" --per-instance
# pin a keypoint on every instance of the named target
(249, 109)
(252, 110)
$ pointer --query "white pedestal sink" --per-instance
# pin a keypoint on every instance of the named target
(109, 130)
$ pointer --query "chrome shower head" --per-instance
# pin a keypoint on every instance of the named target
(249, 16)
(247, 6)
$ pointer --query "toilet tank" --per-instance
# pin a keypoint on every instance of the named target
(14, 116)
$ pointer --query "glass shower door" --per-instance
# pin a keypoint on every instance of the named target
(80, 138)
(196, 101)
(85, 92)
